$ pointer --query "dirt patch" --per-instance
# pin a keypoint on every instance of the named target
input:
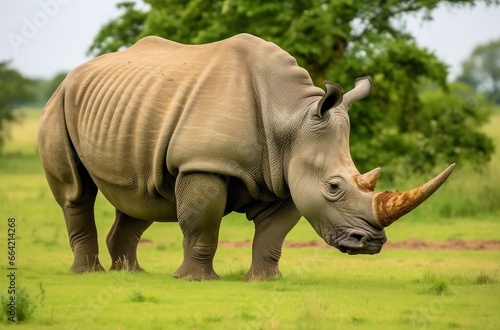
(409, 244)
(146, 242)
(450, 244)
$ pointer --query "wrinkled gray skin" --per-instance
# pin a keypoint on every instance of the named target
(172, 132)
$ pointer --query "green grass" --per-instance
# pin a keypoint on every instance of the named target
(321, 288)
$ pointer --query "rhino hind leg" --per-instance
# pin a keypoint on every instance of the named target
(201, 200)
(123, 239)
(71, 185)
(270, 233)
(80, 222)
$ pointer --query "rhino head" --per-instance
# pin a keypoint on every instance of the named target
(338, 201)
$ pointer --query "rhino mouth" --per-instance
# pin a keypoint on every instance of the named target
(359, 243)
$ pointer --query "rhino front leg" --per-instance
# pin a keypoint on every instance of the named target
(123, 239)
(270, 233)
(201, 200)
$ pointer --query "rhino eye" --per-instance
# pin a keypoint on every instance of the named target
(334, 188)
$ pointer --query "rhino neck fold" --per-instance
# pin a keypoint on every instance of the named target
(282, 94)
(281, 130)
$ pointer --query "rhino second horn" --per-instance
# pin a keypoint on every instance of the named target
(368, 181)
(362, 87)
(390, 206)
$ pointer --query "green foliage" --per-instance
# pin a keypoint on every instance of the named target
(482, 70)
(434, 284)
(444, 130)
(484, 279)
(138, 297)
(121, 32)
(448, 114)
(14, 90)
(25, 306)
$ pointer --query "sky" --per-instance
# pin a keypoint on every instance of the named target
(45, 37)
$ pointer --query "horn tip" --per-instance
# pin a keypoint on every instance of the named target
(450, 169)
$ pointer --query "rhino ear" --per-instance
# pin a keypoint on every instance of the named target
(331, 99)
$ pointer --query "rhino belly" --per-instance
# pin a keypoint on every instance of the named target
(140, 204)
(134, 182)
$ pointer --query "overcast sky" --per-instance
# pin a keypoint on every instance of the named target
(44, 37)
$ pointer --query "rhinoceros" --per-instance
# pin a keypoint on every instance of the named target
(189, 133)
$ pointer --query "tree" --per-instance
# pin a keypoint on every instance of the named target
(334, 40)
(120, 33)
(14, 91)
(482, 70)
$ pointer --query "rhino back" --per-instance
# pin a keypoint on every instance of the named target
(140, 116)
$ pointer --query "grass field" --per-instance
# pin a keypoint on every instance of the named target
(321, 288)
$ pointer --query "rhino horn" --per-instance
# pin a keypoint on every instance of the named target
(390, 206)
(368, 181)
(362, 87)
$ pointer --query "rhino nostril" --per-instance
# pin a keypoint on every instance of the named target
(353, 242)
(358, 237)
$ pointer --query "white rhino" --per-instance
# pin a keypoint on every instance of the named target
(173, 132)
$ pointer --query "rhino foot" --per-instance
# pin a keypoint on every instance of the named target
(263, 275)
(86, 267)
(198, 274)
(126, 264)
